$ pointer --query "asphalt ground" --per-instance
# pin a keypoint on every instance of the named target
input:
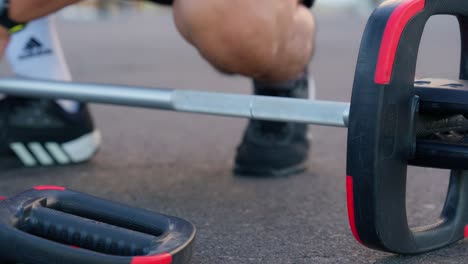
(180, 164)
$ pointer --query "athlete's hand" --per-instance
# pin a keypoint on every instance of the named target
(26, 10)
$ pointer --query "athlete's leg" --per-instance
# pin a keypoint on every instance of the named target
(271, 41)
(36, 52)
(39, 132)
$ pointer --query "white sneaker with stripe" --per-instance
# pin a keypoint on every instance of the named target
(79, 150)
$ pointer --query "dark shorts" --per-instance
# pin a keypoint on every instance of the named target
(163, 2)
(308, 3)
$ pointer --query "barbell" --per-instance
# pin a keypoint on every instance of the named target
(393, 120)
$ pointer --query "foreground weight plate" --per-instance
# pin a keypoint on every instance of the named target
(50, 224)
(381, 136)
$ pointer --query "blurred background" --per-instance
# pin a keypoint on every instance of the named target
(170, 163)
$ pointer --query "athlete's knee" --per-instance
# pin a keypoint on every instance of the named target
(244, 36)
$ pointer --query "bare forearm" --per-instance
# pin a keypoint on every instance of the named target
(26, 10)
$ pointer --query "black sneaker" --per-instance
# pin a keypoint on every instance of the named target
(274, 149)
(37, 132)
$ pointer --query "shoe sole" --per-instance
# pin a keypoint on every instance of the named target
(253, 172)
(36, 154)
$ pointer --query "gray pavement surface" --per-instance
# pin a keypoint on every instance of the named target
(180, 164)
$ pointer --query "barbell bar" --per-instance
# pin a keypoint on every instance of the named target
(325, 113)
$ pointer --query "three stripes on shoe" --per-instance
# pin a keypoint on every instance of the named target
(34, 154)
(52, 153)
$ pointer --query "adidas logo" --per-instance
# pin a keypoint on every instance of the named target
(34, 48)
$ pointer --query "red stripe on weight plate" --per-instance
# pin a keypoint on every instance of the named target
(49, 188)
(397, 22)
(350, 202)
(164, 258)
